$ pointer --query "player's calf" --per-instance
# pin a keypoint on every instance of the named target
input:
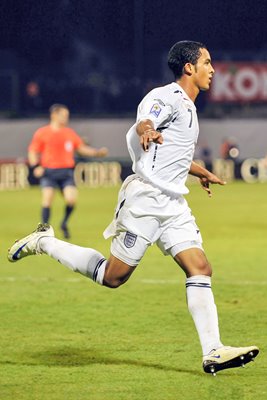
(117, 273)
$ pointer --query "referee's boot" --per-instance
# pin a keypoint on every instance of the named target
(65, 230)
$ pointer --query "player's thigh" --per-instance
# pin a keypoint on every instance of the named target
(117, 272)
(48, 194)
(70, 194)
(193, 261)
(181, 232)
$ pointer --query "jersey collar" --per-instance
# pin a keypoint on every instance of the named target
(176, 86)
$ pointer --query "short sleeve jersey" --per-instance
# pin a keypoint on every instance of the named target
(166, 165)
(56, 147)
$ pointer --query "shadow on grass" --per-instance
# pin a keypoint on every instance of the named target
(74, 357)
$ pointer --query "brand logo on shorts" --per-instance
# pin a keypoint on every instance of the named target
(130, 239)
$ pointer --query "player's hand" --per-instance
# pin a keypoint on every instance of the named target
(38, 171)
(210, 178)
(150, 136)
(102, 152)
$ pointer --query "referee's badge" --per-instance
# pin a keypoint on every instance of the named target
(130, 239)
(155, 110)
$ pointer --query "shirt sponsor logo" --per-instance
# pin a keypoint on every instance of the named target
(155, 110)
(130, 239)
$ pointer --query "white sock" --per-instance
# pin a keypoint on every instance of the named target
(201, 305)
(86, 261)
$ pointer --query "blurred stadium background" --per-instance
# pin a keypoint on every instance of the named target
(101, 58)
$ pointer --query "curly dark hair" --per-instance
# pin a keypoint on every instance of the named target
(181, 53)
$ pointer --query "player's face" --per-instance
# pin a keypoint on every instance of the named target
(203, 70)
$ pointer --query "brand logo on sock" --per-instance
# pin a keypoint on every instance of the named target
(130, 239)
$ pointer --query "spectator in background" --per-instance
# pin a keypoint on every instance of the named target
(205, 154)
(33, 98)
(229, 149)
(51, 157)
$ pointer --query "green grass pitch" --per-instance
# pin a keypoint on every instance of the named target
(64, 337)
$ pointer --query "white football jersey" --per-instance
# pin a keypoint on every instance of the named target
(166, 165)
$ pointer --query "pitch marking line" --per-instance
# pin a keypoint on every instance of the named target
(33, 279)
(174, 282)
(144, 281)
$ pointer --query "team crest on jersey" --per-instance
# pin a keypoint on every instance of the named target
(155, 110)
(130, 239)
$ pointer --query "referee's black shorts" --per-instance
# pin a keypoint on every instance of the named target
(58, 178)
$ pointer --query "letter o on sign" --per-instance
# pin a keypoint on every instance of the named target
(249, 170)
(247, 83)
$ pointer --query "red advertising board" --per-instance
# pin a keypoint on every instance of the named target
(239, 82)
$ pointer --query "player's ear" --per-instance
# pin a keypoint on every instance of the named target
(188, 69)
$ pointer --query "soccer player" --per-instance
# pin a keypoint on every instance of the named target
(51, 157)
(151, 207)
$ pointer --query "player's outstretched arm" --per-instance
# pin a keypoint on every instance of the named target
(205, 177)
(147, 133)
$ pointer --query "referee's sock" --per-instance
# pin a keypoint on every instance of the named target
(86, 261)
(68, 211)
(45, 214)
(202, 307)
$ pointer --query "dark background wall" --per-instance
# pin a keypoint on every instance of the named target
(101, 57)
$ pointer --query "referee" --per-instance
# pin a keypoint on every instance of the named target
(51, 157)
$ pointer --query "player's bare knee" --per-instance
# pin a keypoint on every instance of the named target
(204, 267)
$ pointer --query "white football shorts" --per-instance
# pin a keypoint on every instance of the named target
(144, 216)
